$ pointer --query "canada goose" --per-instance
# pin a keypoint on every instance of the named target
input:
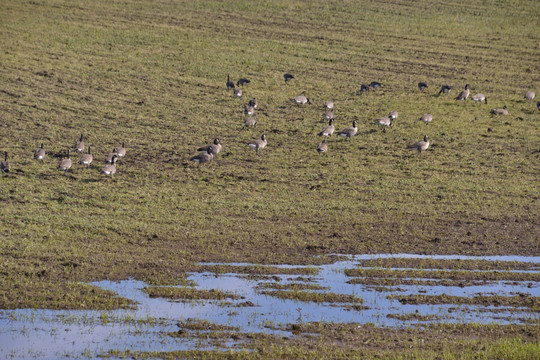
(110, 169)
(121, 152)
(445, 89)
(464, 94)
(393, 114)
(427, 118)
(502, 111)
(253, 102)
(479, 97)
(420, 145)
(203, 157)
(249, 110)
(301, 100)
(328, 130)
(375, 85)
(250, 122)
(238, 92)
(258, 144)
(230, 84)
(111, 156)
(422, 86)
(329, 105)
(79, 145)
(327, 115)
(364, 88)
(65, 164)
(322, 147)
(242, 82)
(288, 77)
(384, 122)
(216, 147)
(39, 154)
(349, 132)
(530, 96)
(538, 105)
(87, 159)
(5, 166)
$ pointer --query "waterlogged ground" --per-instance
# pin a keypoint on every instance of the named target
(249, 300)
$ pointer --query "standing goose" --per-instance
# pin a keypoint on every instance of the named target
(111, 155)
(420, 146)
(393, 115)
(242, 82)
(230, 84)
(329, 105)
(328, 130)
(479, 98)
(238, 92)
(464, 94)
(445, 89)
(253, 102)
(502, 111)
(79, 145)
(258, 144)
(203, 157)
(529, 95)
(121, 152)
(301, 100)
(39, 154)
(322, 147)
(327, 115)
(250, 122)
(216, 147)
(349, 132)
(384, 122)
(422, 86)
(249, 110)
(5, 166)
(110, 169)
(87, 159)
(288, 77)
(427, 118)
(65, 164)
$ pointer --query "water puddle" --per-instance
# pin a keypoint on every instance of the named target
(50, 334)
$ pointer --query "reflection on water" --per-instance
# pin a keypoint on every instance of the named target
(49, 334)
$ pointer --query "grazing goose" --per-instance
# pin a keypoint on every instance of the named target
(5, 166)
(329, 105)
(479, 97)
(65, 164)
(216, 147)
(420, 145)
(79, 145)
(375, 85)
(204, 157)
(242, 82)
(384, 122)
(393, 115)
(327, 115)
(422, 86)
(349, 132)
(87, 159)
(110, 169)
(427, 118)
(249, 110)
(322, 147)
(39, 154)
(445, 89)
(502, 111)
(328, 130)
(253, 102)
(121, 152)
(364, 88)
(237, 92)
(230, 84)
(111, 155)
(258, 144)
(301, 100)
(464, 94)
(530, 96)
(250, 122)
(288, 77)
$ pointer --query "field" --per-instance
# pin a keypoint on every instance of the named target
(152, 74)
